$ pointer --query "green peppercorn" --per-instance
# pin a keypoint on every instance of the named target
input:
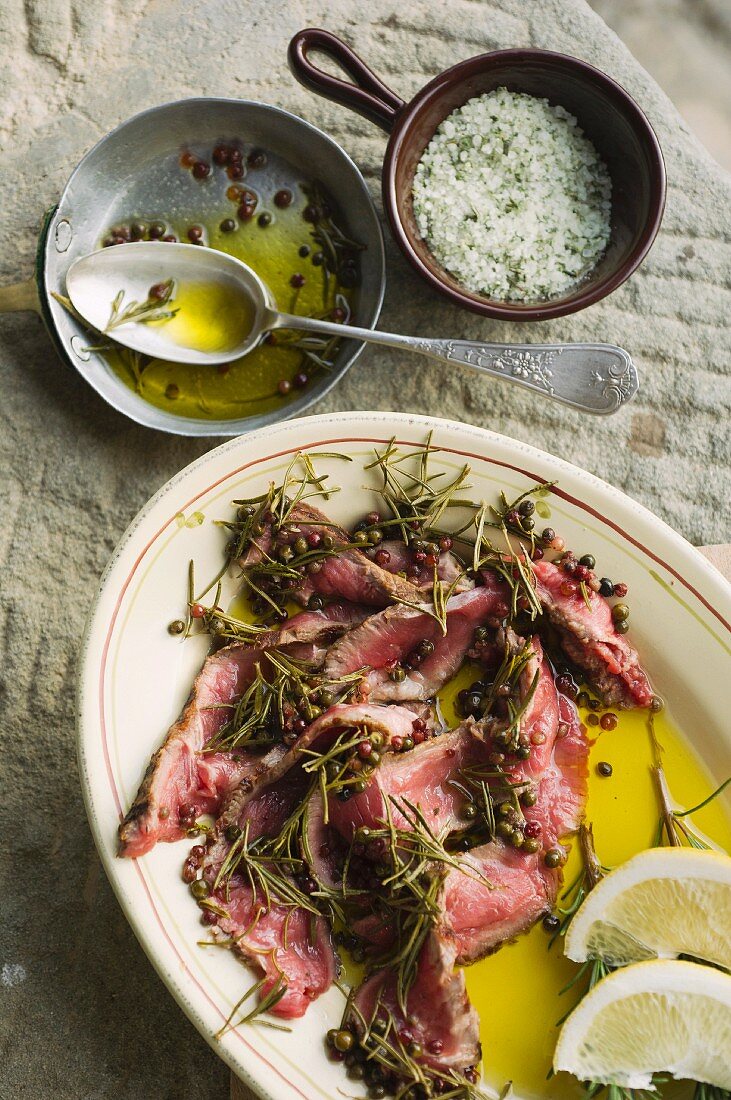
(529, 797)
(375, 537)
(328, 542)
(331, 1036)
(359, 786)
(233, 832)
(362, 834)
(504, 829)
(360, 537)
(522, 752)
(588, 560)
(620, 612)
(177, 626)
(398, 675)
(217, 626)
(531, 845)
(327, 698)
(622, 627)
(315, 602)
(380, 1026)
(285, 554)
(657, 704)
(374, 758)
(343, 1040)
(553, 857)
(506, 809)
(604, 768)
(200, 889)
(376, 740)
(415, 1049)
(300, 545)
(408, 743)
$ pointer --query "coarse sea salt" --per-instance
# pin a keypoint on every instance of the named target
(512, 198)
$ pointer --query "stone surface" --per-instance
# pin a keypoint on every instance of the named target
(83, 1014)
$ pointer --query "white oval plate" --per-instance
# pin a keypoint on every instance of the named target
(134, 677)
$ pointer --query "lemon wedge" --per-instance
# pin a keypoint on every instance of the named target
(661, 903)
(662, 1016)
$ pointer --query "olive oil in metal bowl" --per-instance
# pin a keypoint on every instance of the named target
(284, 202)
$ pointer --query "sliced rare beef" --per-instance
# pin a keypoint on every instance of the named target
(181, 781)
(392, 637)
(590, 639)
(347, 575)
(499, 893)
(438, 1016)
(449, 568)
(391, 722)
(511, 889)
(428, 776)
(290, 944)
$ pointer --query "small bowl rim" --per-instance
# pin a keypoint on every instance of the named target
(534, 311)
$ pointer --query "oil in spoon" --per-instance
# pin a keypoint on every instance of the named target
(208, 316)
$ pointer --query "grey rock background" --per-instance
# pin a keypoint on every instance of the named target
(81, 1012)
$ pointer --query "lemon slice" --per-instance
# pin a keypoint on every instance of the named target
(661, 903)
(654, 1017)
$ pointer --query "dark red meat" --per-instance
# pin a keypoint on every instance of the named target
(500, 893)
(521, 888)
(591, 641)
(391, 636)
(439, 1015)
(424, 776)
(449, 567)
(180, 776)
(348, 575)
(390, 721)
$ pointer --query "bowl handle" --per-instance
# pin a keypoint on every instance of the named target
(368, 95)
(19, 297)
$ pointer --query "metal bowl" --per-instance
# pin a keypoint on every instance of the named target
(609, 116)
(134, 172)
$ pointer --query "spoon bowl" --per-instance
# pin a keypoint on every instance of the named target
(94, 281)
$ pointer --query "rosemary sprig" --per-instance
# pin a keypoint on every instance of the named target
(418, 862)
(282, 687)
(416, 499)
(673, 824)
(266, 1004)
(152, 309)
(380, 1043)
(268, 870)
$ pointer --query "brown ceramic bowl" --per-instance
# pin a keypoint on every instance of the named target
(609, 116)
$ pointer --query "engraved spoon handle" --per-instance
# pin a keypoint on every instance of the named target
(596, 378)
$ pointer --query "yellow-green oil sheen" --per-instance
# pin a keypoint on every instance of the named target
(209, 317)
(246, 386)
(517, 991)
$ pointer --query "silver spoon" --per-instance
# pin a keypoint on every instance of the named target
(596, 378)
